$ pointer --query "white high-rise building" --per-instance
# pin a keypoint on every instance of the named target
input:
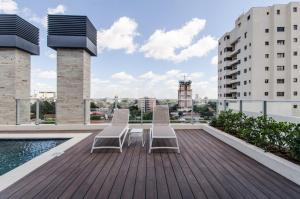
(260, 58)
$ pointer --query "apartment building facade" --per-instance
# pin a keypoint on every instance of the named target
(185, 98)
(260, 58)
(146, 104)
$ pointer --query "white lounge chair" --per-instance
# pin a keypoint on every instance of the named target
(118, 129)
(161, 128)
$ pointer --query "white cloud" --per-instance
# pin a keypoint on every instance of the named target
(8, 7)
(42, 20)
(60, 9)
(122, 76)
(214, 60)
(119, 36)
(164, 85)
(43, 74)
(51, 54)
(163, 44)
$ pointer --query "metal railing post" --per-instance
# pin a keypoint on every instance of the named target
(17, 111)
(265, 108)
(37, 112)
(142, 116)
(192, 113)
(86, 108)
(241, 106)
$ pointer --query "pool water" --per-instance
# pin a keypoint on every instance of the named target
(15, 152)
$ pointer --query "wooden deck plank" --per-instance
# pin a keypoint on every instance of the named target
(224, 168)
(170, 177)
(258, 171)
(39, 174)
(205, 168)
(235, 189)
(237, 170)
(117, 188)
(120, 164)
(140, 183)
(161, 182)
(151, 188)
(130, 181)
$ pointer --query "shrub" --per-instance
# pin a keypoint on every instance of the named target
(261, 131)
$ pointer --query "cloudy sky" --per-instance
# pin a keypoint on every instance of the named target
(144, 47)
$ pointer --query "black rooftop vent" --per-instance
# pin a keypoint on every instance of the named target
(69, 31)
(18, 33)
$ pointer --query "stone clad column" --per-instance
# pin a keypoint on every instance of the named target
(73, 85)
(74, 38)
(15, 68)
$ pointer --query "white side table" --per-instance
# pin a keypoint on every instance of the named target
(136, 133)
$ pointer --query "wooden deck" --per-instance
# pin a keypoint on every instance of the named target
(206, 168)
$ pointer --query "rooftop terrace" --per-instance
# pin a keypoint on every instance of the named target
(205, 168)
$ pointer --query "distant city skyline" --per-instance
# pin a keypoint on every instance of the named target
(144, 49)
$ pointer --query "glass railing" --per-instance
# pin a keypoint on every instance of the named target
(283, 110)
(100, 110)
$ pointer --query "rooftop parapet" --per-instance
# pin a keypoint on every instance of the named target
(15, 32)
(70, 31)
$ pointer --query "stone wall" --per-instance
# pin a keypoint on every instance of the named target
(73, 85)
(14, 84)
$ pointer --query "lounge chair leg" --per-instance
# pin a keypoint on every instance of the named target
(93, 145)
(178, 150)
(120, 144)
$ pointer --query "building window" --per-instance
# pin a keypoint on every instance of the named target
(245, 70)
(295, 66)
(280, 68)
(266, 55)
(250, 69)
(295, 39)
(268, 13)
(280, 81)
(295, 80)
(266, 43)
(280, 29)
(239, 25)
(245, 82)
(295, 93)
(295, 53)
(248, 18)
(295, 9)
(295, 27)
(266, 81)
(266, 68)
(245, 35)
(245, 59)
(249, 93)
(266, 93)
(245, 47)
(278, 12)
(280, 42)
(267, 30)
(249, 81)
(280, 94)
(245, 93)
(249, 44)
(280, 55)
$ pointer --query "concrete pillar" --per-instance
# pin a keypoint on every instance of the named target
(73, 85)
(14, 84)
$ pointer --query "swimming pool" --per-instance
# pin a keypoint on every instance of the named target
(15, 152)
